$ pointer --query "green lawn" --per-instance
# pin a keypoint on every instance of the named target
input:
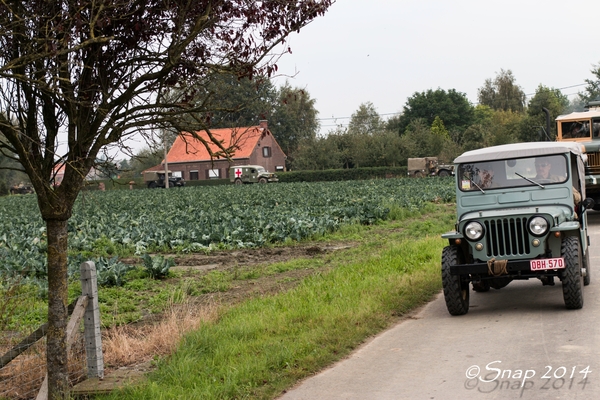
(260, 347)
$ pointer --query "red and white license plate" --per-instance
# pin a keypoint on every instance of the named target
(547, 263)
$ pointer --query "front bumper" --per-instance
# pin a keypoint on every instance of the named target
(514, 269)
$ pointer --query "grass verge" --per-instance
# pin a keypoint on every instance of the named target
(262, 346)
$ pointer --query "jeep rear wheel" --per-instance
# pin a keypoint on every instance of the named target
(443, 173)
(572, 282)
(456, 287)
(238, 181)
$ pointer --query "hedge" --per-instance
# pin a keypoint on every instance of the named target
(289, 176)
(342, 174)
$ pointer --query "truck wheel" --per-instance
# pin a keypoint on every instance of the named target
(586, 264)
(152, 185)
(238, 181)
(572, 282)
(456, 288)
(418, 174)
(262, 180)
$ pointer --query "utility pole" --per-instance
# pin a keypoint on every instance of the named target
(166, 164)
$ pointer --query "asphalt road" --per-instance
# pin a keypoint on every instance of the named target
(517, 342)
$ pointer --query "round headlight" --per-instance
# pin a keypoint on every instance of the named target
(473, 230)
(538, 226)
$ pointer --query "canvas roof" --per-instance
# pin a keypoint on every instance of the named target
(595, 112)
(515, 150)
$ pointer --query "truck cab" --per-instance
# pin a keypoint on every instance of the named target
(521, 214)
(584, 128)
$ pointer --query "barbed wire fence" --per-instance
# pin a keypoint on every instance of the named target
(23, 354)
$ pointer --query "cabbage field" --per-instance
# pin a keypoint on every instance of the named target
(198, 219)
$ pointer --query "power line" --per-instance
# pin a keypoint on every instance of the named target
(398, 113)
(335, 118)
(566, 87)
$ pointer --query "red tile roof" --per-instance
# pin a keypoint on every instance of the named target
(187, 148)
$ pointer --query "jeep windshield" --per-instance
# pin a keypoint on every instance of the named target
(517, 172)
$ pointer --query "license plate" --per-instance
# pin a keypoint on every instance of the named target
(547, 263)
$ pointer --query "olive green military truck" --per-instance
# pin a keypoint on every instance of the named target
(428, 166)
(241, 174)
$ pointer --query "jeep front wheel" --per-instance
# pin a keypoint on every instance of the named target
(586, 264)
(572, 282)
(456, 288)
(262, 180)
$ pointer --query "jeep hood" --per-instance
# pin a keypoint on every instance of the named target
(559, 213)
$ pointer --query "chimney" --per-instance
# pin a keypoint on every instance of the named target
(263, 123)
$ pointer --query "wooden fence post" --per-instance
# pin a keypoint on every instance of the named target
(91, 321)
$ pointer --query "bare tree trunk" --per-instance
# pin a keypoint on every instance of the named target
(57, 310)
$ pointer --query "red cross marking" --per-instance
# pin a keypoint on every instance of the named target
(238, 172)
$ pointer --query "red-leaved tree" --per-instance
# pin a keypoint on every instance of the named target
(80, 76)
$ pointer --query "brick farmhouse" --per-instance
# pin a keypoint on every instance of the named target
(254, 145)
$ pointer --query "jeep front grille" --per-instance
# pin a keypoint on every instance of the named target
(507, 237)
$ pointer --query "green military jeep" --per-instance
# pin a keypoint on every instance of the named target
(520, 215)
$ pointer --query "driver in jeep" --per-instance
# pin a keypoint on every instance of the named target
(542, 169)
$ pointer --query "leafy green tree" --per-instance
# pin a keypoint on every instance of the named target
(393, 123)
(492, 127)
(79, 76)
(364, 124)
(237, 101)
(452, 107)
(592, 90)
(438, 128)
(535, 124)
(146, 158)
(502, 93)
(10, 170)
(474, 137)
(428, 144)
(382, 148)
(365, 120)
(318, 153)
(294, 119)
(504, 127)
(576, 104)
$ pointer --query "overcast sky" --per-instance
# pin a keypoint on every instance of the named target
(383, 51)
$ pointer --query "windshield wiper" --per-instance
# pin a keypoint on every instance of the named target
(530, 180)
(477, 186)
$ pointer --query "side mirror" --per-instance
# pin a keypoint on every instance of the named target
(588, 203)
